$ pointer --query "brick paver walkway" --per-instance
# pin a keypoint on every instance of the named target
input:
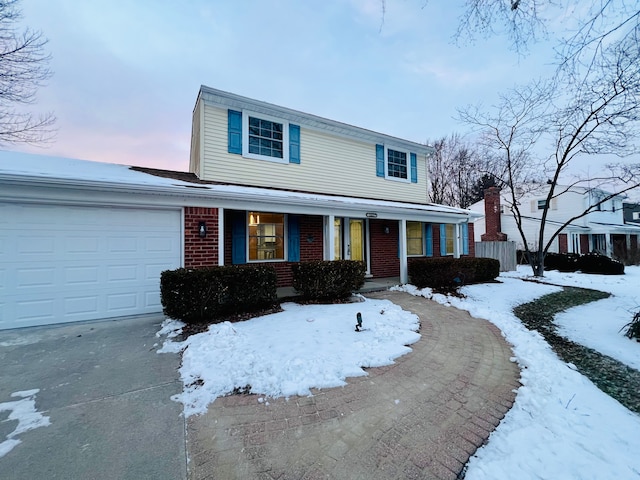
(422, 417)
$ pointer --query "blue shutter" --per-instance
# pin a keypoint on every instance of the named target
(465, 239)
(414, 168)
(294, 143)
(294, 238)
(235, 132)
(443, 240)
(429, 239)
(380, 160)
(239, 239)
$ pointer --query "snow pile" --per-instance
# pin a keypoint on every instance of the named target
(24, 411)
(288, 353)
(561, 426)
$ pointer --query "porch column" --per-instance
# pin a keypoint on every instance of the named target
(402, 251)
(220, 237)
(458, 235)
(329, 238)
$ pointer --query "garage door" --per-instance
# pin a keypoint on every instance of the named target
(64, 264)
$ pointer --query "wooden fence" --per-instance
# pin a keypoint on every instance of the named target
(505, 252)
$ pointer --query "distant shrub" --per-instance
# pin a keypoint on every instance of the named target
(447, 274)
(206, 294)
(597, 263)
(563, 262)
(328, 280)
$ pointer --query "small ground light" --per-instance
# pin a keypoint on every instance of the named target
(359, 320)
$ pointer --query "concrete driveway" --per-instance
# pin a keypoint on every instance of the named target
(107, 395)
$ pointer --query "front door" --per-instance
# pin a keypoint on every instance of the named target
(350, 239)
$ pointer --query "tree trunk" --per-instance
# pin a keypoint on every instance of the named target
(536, 259)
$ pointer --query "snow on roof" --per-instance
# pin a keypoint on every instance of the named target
(16, 166)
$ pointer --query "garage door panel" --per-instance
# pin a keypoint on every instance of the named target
(62, 263)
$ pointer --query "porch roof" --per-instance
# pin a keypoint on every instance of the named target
(183, 188)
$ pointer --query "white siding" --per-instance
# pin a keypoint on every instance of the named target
(329, 164)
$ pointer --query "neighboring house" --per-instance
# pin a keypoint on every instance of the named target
(602, 230)
(83, 240)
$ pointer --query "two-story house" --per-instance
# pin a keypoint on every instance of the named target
(602, 230)
(316, 189)
(83, 240)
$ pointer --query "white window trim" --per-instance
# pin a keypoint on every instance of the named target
(386, 164)
(245, 137)
(285, 239)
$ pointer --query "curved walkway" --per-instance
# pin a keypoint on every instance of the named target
(422, 417)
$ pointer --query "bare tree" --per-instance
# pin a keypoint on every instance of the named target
(600, 116)
(454, 170)
(23, 69)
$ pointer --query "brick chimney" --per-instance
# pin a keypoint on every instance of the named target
(492, 214)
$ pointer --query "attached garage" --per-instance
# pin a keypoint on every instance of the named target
(64, 263)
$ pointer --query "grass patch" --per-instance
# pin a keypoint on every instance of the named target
(609, 375)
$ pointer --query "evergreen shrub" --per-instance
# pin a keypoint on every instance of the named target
(447, 274)
(597, 263)
(563, 262)
(207, 294)
(328, 280)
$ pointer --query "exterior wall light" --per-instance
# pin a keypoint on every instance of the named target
(386, 230)
(202, 229)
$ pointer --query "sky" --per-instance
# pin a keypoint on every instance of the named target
(127, 74)
(560, 426)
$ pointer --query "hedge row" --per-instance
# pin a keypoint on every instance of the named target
(588, 263)
(447, 274)
(206, 294)
(328, 280)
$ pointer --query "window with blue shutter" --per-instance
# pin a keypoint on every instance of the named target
(235, 132)
(294, 238)
(414, 168)
(294, 143)
(238, 238)
(429, 239)
(380, 160)
(465, 239)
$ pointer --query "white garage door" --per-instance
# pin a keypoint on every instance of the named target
(64, 264)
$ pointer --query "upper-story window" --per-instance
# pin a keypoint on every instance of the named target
(266, 137)
(396, 164)
(261, 137)
(542, 204)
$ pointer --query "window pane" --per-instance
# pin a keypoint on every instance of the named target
(265, 137)
(266, 236)
(414, 238)
(396, 164)
(451, 232)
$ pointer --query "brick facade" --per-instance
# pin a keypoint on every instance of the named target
(384, 248)
(200, 252)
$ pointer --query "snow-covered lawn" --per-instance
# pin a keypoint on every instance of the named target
(290, 352)
(561, 426)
